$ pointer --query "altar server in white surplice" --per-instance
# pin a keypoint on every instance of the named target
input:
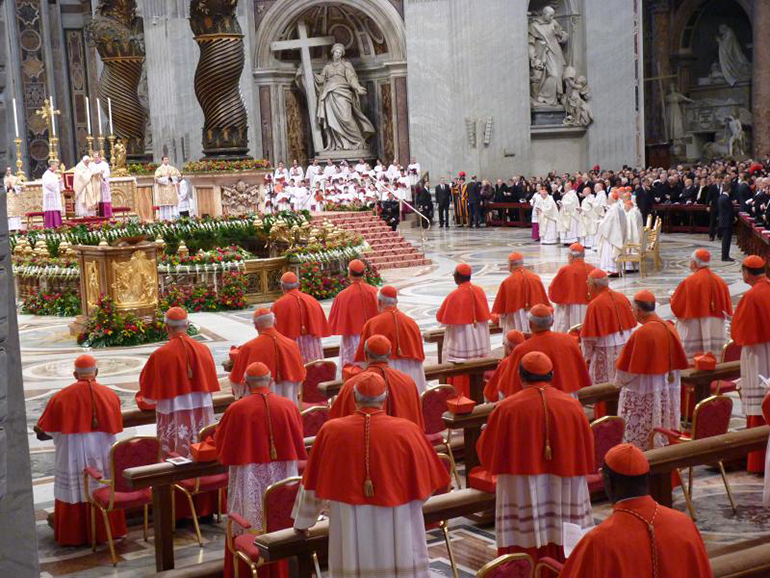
(376, 525)
(52, 188)
(547, 218)
(589, 219)
(13, 200)
(569, 216)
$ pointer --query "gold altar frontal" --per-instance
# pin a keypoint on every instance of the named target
(122, 189)
(127, 273)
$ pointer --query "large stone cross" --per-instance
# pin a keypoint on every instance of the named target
(304, 44)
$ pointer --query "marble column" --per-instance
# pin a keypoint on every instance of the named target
(761, 79)
(661, 66)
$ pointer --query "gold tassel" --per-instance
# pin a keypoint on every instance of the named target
(368, 485)
(189, 372)
(671, 377)
(273, 452)
(368, 489)
(547, 451)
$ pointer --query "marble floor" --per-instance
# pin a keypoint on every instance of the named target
(48, 351)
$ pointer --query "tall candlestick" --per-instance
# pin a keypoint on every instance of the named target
(109, 110)
(88, 115)
(53, 118)
(15, 118)
(99, 115)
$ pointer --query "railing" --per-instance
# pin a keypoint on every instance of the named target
(401, 203)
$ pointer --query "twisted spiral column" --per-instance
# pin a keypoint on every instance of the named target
(119, 82)
(217, 88)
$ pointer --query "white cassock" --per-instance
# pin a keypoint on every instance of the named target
(612, 237)
(102, 169)
(296, 173)
(360, 168)
(589, 221)
(186, 198)
(514, 320)
(86, 198)
(312, 173)
(755, 363)
(300, 198)
(648, 401)
(601, 353)
(74, 453)
(634, 229)
(369, 541)
(393, 172)
(413, 368)
(548, 218)
(569, 218)
(601, 199)
(567, 315)
(466, 341)
(702, 334)
(413, 172)
(328, 172)
(14, 202)
(281, 173)
(403, 188)
(180, 418)
(52, 187)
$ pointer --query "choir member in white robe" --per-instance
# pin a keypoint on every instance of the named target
(413, 172)
(612, 235)
(313, 171)
(100, 171)
(535, 219)
(394, 170)
(329, 171)
(361, 167)
(547, 216)
(52, 188)
(86, 197)
(296, 172)
(281, 173)
(569, 217)
(589, 220)
(13, 200)
(301, 198)
(166, 195)
(378, 169)
(376, 525)
(635, 227)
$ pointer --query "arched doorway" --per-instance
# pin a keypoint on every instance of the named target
(372, 32)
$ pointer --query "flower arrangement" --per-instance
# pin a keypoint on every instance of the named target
(225, 166)
(142, 169)
(230, 295)
(318, 282)
(110, 328)
(60, 304)
(231, 254)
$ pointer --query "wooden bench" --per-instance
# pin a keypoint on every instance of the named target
(437, 336)
(701, 380)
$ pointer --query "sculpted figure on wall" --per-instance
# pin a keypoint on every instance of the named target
(546, 58)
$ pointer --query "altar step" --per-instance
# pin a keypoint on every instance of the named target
(389, 249)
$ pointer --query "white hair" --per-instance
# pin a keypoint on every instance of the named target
(366, 401)
(259, 380)
(577, 254)
(266, 320)
(698, 262)
(387, 300)
(176, 323)
(375, 357)
(540, 322)
(86, 158)
(289, 286)
(600, 281)
(516, 263)
(85, 370)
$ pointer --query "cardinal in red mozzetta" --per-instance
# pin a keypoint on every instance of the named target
(82, 419)
(404, 334)
(492, 389)
(520, 291)
(280, 354)
(300, 317)
(387, 463)
(569, 290)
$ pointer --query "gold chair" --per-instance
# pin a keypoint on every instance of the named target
(508, 565)
(114, 493)
(443, 525)
(634, 253)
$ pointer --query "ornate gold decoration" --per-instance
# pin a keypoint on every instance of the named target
(118, 168)
(217, 78)
(136, 282)
(93, 289)
(242, 198)
(296, 127)
(388, 147)
(48, 114)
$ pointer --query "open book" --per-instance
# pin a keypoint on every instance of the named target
(571, 535)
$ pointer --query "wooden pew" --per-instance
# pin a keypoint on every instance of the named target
(471, 423)
(701, 380)
(474, 368)
(437, 336)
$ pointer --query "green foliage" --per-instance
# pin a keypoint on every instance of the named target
(61, 304)
(317, 281)
(230, 295)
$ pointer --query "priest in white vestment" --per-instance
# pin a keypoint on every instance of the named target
(569, 216)
(547, 218)
(86, 193)
(52, 188)
(14, 204)
(187, 206)
(376, 525)
(612, 235)
(166, 195)
(589, 221)
(100, 175)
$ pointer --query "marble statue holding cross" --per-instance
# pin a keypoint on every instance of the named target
(337, 122)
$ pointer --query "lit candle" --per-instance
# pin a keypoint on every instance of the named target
(88, 115)
(109, 110)
(53, 118)
(99, 115)
(15, 118)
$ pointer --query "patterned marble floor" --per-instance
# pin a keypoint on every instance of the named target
(48, 351)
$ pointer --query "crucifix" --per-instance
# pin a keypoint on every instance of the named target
(304, 44)
(48, 114)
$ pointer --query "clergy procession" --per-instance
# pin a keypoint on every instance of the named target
(372, 462)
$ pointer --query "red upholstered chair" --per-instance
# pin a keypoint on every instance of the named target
(277, 505)
(443, 525)
(608, 432)
(115, 493)
(548, 567)
(711, 418)
(434, 406)
(318, 371)
(730, 352)
(508, 566)
(194, 486)
(312, 420)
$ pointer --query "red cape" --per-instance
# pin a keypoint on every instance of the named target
(514, 439)
(352, 308)
(279, 353)
(570, 372)
(165, 375)
(403, 398)
(243, 436)
(402, 331)
(466, 304)
(570, 286)
(298, 313)
(608, 312)
(702, 294)
(403, 466)
(521, 290)
(620, 546)
(70, 411)
(653, 349)
(751, 322)
(492, 388)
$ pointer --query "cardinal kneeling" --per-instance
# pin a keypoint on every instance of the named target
(82, 419)
(539, 445)
(260, 438)
(376, 525)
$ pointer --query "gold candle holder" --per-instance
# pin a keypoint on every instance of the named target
(19, 163)
(90, 140)
(112, 151)
(53, 148)
(100, 138)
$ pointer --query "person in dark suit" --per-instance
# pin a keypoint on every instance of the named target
(712, 199)
(425, 203)
(474, 203)
(443, 198)
(644, 199)
(726, 218)
(743, 192)
(688, 193)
